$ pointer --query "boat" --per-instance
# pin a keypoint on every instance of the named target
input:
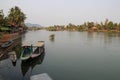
(7, 44)
(52, 36)
(32, 50)
(13, 56)
(38, 49)
(26, 52)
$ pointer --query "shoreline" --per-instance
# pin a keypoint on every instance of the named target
(6, 38)
(116, 31)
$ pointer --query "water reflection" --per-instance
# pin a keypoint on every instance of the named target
(14, 63)
(106, 38)
(9, 63)
(52, 39)
(13, 58)
(110, 37)
(31, 63)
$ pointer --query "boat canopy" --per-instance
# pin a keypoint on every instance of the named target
(37, 44)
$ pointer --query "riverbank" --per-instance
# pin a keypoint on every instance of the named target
(5, 38)
(114, 31)
(89, 30)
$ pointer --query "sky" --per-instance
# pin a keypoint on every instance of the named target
(63, 12)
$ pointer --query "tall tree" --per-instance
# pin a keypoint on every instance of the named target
(110, 25)
(90, 25)
(106, 24)
(16, 16)
(1, 17)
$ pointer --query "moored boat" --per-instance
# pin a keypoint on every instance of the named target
(32, 50)
(38, 49)
(26, 52)
(7, 44)
(52, 36)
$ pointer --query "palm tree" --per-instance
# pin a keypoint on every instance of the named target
(106, 24)
(90, 25)
(11, 16)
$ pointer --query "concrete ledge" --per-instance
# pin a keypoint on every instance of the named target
(43, 76)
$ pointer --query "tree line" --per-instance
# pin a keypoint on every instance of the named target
(88, 26)
(15, 18)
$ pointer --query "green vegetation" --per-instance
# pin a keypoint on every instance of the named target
(56, 28)
(15, 21)
(88, 26)
(15, 18)
(35, 28)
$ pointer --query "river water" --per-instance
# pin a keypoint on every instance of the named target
(68, 56)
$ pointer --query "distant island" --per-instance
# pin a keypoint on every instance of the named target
(32, 25)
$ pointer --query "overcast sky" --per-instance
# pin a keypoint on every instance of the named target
(62, 12)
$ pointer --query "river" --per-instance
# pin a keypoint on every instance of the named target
(69, 56)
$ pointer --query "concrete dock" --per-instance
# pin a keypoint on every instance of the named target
(43, 76)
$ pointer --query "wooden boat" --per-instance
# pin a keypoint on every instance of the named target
(26, 52)
(7, 44)
(38, 49)
(32, 51)
(52, 36)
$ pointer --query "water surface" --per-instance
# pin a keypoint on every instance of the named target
(69, 56)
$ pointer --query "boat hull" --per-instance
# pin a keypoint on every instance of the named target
(7, 44)
(32, 51)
